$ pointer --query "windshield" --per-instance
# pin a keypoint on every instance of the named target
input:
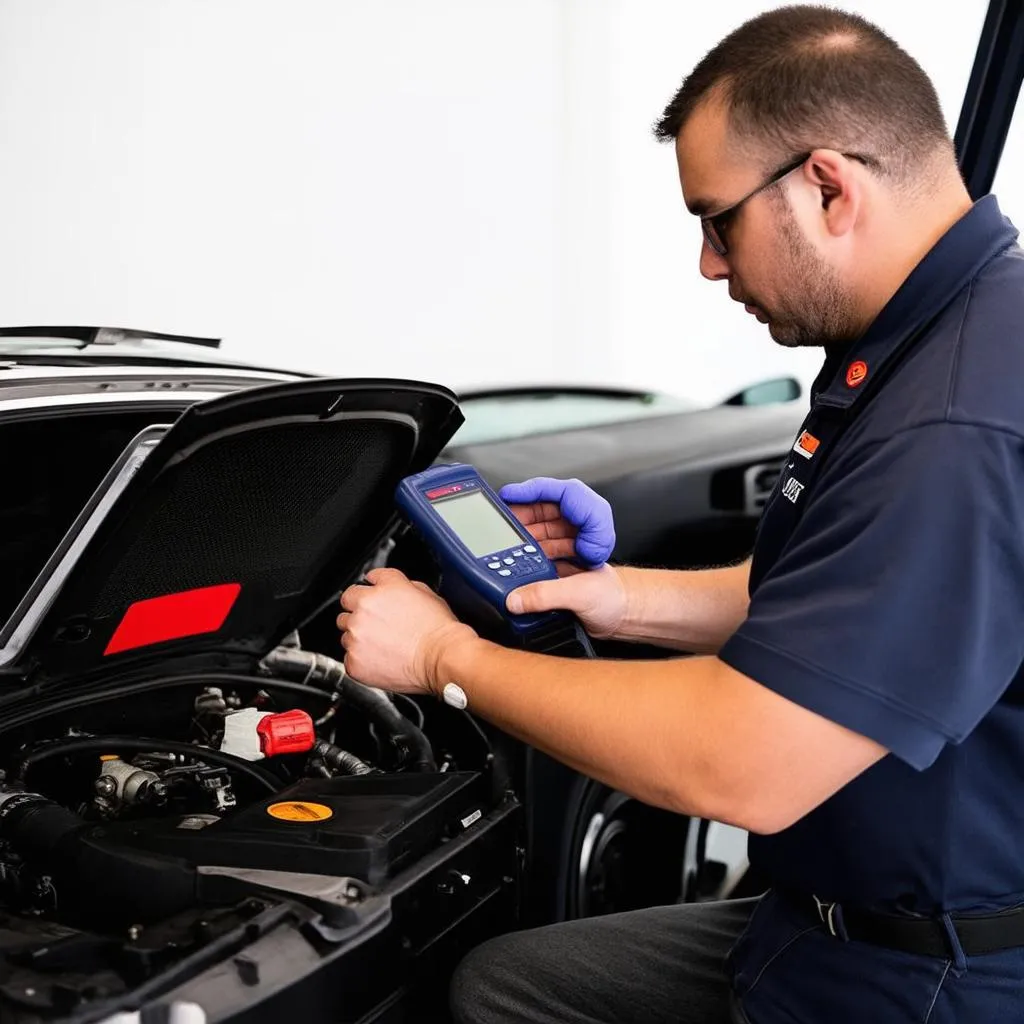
(496, 417)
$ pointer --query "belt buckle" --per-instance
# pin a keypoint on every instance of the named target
(826, 911)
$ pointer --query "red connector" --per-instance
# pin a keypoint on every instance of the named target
(290, 732)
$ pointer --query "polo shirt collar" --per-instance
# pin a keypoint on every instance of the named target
(981, 234)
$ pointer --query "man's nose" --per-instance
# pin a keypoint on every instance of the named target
(712, 266)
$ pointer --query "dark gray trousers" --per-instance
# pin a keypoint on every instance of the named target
(666, 965)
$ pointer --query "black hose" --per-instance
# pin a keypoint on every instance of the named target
(56, 706)
(409, 703)
(318, 669)
(341, 760)
(141, 745)
(98, 885)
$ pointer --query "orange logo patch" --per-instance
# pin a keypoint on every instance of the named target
(856, 373)
(806, 444)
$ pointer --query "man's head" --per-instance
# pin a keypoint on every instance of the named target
(816, 152)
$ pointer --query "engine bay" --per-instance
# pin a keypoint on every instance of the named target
(137, 820)
(194, 804)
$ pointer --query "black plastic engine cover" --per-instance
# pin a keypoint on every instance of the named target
(368, 827)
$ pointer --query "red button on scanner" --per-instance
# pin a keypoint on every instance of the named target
(441, 492)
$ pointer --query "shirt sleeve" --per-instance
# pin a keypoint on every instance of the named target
(896, 608)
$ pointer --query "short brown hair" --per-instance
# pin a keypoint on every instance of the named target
(802, 77)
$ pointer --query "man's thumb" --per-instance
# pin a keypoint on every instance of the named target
(538, 597)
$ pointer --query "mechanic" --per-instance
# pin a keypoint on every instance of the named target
(856, 691)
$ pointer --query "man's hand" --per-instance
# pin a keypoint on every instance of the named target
(575, 529)
(598, 598)
(572, 523)
(394, 630)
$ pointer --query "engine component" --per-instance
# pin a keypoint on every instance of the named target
(23, 888)
(210, 708)
(105, 744)
(121, 784)
(93, 881)
(290, 732)
(211, 702)
(317, 669)
(336, 760)
(363, 826)
(212, 781)
(252, 734)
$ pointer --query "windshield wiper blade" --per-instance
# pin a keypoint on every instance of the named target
(87, 336)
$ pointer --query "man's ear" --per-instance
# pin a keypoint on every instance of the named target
(832, 174)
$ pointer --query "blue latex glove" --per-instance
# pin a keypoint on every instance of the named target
(579, 505)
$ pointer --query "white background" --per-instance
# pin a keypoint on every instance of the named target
(464, 191)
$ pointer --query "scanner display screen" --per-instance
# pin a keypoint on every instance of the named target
(477, 523)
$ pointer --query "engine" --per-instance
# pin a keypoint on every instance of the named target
(300, 769)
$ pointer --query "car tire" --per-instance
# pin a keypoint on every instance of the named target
(624, 854)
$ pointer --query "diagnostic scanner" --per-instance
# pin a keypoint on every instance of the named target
(484, 551)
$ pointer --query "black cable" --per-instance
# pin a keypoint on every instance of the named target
(374, 703)
(141, 745)
(13, 719)
(409, 702)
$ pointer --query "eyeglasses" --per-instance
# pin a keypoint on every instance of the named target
(715, 225)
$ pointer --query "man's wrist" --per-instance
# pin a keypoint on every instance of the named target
(633, 619)
(439, 667)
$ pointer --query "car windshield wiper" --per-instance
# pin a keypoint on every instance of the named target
(87, 336)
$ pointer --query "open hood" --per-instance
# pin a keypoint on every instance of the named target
(213, 538)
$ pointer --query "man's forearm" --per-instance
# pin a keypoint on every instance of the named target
(691, 735)
(694, 611)
(647, 728)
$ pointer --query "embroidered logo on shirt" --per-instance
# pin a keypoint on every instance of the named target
(791, 489)
(806, 445)
(855, 373)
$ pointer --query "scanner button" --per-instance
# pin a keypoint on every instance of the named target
(504, 572)
(509, 561)
(529, 549)
(494, 565)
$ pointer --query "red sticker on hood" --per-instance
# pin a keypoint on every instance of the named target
(174, 616)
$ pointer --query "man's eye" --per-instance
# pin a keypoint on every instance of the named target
(722, 221)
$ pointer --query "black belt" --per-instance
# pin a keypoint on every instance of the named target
(977, 934)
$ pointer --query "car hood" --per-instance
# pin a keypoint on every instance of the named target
(213, 538)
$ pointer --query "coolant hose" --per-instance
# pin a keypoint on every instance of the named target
(310, 667)
(97, 885)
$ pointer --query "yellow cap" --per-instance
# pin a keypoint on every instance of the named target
(299, 810)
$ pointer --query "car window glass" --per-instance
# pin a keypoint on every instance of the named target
(503, 417)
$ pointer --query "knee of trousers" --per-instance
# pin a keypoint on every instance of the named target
(485, 985)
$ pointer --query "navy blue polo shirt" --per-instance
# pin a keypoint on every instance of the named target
(887, 594)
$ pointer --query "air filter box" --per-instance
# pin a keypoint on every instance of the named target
(367, 827)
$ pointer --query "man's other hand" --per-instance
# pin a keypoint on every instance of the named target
(572, 523)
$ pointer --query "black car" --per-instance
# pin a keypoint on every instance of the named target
(202, 817)
(198, 805)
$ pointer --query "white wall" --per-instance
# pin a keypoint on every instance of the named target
(362, 187)
(458, 190)
(652, 298)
